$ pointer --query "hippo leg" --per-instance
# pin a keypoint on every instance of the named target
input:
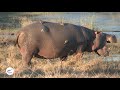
(79, 52)
(62, 59)
(26, 60)
(78, 56)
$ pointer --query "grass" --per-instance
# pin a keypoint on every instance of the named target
(90, 66)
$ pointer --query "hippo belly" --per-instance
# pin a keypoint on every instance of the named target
(48, 48)
(48, 53)
(57, 47)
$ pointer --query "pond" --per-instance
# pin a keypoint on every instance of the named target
(103, 21)
(115, 57)
(108, 21)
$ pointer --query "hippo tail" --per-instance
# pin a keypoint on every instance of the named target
(16, 42)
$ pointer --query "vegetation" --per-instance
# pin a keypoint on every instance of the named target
(87, 67)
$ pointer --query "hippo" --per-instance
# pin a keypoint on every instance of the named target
(51, 40)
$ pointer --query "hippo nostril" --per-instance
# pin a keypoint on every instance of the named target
(108, 41)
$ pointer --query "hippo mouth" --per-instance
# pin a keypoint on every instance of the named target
(102, 54)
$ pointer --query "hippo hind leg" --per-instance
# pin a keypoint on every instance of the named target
(26, 60)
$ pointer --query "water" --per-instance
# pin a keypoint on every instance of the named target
(103, 21)
(112, 58)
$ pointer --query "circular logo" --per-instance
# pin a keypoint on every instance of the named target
(10, 71)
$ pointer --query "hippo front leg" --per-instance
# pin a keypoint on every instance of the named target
(80, 51)
(62, 59)
(78, 56)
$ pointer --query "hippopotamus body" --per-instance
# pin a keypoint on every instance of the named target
(53, 40)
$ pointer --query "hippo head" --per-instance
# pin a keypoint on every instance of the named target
(111, 38)
(100, 42)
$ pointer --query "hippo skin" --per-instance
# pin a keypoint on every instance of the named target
(53, 40)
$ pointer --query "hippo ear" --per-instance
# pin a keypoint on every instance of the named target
(97, 32)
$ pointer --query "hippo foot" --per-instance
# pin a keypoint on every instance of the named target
(78, 56)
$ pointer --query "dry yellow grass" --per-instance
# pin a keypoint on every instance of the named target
(46, 68)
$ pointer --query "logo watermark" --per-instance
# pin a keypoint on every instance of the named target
(10, 71)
